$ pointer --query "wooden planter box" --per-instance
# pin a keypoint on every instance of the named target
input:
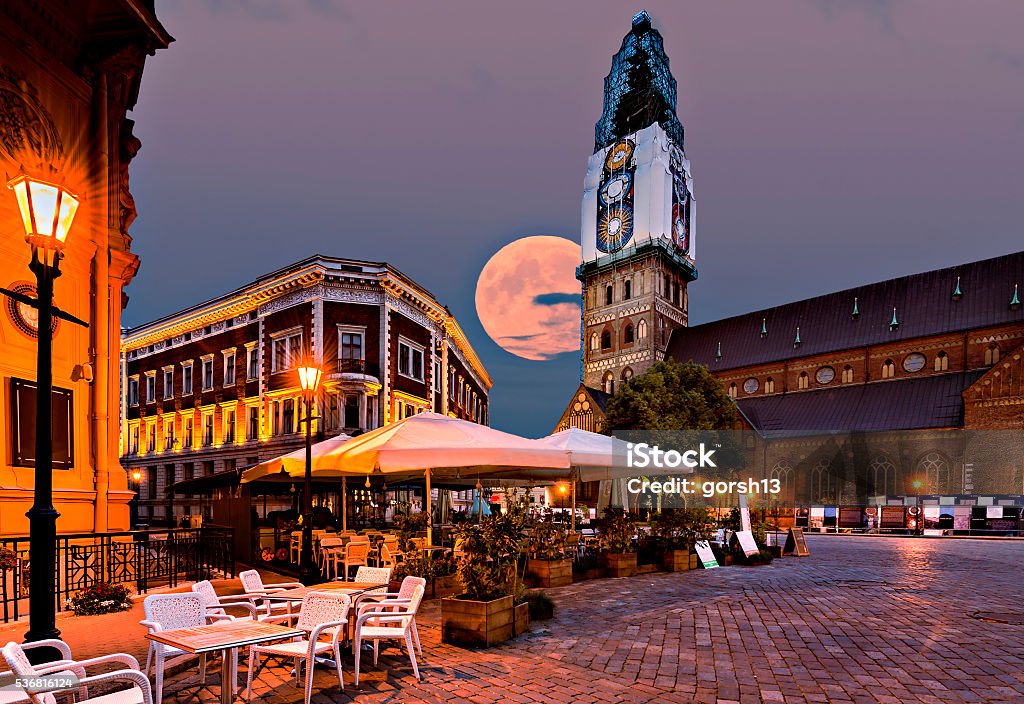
(620, 564)
(551, 573)
(520, 619)
(583, 575)
(446, 586)
(694, 561)
(485, 623)
(677, 560)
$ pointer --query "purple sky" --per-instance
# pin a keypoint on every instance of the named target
(833, 143)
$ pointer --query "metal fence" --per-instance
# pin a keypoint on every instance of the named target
(142, 560)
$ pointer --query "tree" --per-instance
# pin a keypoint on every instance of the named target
(672, 396)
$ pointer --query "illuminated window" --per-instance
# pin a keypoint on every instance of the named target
(803, 381)
(888, 369)
(608, 383)
(847, 376)
(992, 354)
(769, 385)
(941, 362)
(641, 330)
(732, 390)
(287, 348)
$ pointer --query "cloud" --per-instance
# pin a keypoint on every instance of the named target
(1008, 59)
(555, 299)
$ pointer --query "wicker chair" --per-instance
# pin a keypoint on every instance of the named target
(379, 621)
(139, 693)
(261, 594)
(321, 614)
(401, 597)
(215, 605)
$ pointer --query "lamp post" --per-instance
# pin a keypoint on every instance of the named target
(309, 380)
(136, 485)
(919, 523)
(47, 211)
(562, 491)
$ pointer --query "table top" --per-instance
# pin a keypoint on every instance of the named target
(352, 588)
(223, 635)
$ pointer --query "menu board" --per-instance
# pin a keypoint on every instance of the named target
(817, 517)
(704, 552)
(851, 518)
(993, 512)
(795, 542)
(744, 513)
(747, 543)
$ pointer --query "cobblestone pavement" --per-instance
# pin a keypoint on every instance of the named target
(860, 620)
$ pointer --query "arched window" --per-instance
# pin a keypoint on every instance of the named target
(803, 381)
(933, 468)
(608, 295)
(595, 341)
(992, 354)
(627, 290)
(783, 471)
(941, 362)
(769, 385)
(732, 390)
(608, 383)
(824, 484)
(883, 473)
(641, 330)
(606, 340)
(847, 376)
(888, 369)
(627, 334)
(627, 374)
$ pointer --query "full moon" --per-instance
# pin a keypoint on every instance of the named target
(528, 298)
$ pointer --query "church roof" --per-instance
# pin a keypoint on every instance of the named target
(904, 404)
(954, 299)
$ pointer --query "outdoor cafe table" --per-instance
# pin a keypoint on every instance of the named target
(225, 636)
(355, 590)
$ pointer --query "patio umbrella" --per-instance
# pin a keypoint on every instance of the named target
(433, 444)
(293, 465)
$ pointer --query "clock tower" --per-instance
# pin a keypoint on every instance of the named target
(637, 220)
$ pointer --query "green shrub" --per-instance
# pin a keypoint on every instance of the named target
(541, 606)
(617, 529)
(101, 598)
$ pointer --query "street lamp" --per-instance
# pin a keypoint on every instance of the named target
(309, 380)
(47, 211)
(562, 490)
(920, 519)
(136, 484)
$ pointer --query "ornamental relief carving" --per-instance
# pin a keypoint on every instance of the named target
(415, 315)
(287, 301)
(367, 294)
(28, 135)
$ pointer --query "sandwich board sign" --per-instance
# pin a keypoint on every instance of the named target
(795, 541)
(744, 513)
(707, 557)
(747, 543)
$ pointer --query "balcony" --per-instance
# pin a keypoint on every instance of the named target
(358, 366)
(355, 375)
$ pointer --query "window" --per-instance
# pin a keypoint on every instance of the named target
(608, 295)
(188, 470)
(150, 437)
(783, 472)
(451, 383)
(133, 391)
(288, 416)
(992, 354)
(732, 390)
(627, 290)
(207, 468)
(168, 477)
(352, 411)
(668, 287)
(769, 385)
(884, 474)
(169, 434)
(168, 383)
(935, 470)
(627, 335)
(847, 376)
(150, 387)
(641, 330)
(251, 362)
(151, 481)
(133, 440)
(888, 369)
(229, 368)
(208, 429)
(595, 342)
(436, 377)
(627, 374)
(189, 436)
(254, 423)
(229, 426)
(350, 343)
(410, 359)
(606, 340)
(803, 381)
(287, 351)
(207, 374)
(608, 384)
(941, 362)
(186, 379)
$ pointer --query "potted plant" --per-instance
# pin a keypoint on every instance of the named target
(541, 606)
(677, 531)
(548, 564)
(101, 598)
(488, 567)
(617, 530)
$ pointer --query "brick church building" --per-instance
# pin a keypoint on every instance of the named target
(908, 387)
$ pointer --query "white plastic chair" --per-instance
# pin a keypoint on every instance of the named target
(402, 597)
(374, 575)
(215, 605)
(258, 593)
(139, 693)
(166, 612)
(12, 695)
(379, 621)
(321, 614)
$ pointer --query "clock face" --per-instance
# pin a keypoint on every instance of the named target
(615, 229)
(616, 188)
(25, 317)
(619, 155)
(750, 385)
(914, 362)
(825, 375)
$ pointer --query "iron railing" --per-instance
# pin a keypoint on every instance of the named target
(141, 559)
(358, 366)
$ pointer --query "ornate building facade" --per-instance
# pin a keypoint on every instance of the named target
(213, 388)
(69, 73)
